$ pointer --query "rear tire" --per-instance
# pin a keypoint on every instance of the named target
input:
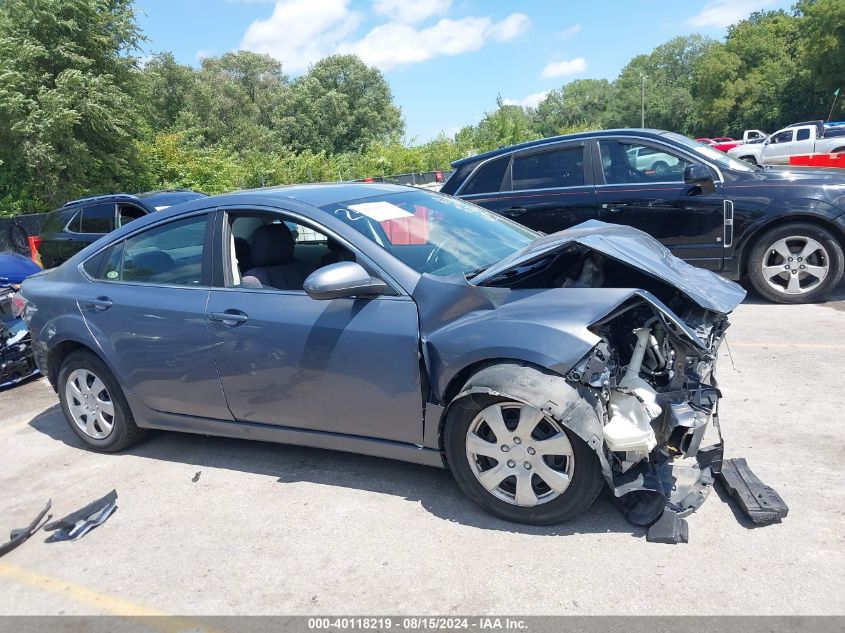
(94, 405)
(811, 251)
(575, 480)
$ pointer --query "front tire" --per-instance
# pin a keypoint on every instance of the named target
(94, 405)
(517, 463)
(796, 263)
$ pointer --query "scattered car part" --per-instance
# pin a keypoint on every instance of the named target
(19, 535)
(669, 528)
(78, 524)
(16, 358)
(760, 502)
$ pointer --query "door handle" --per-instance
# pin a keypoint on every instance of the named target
(515, 212)
(229, 317)
(99, 304)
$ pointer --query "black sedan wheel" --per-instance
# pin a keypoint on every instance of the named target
(795, 263)
(94, 405)
(519, 464)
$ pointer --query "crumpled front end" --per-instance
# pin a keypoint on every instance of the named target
(16, 358)
(659, 398)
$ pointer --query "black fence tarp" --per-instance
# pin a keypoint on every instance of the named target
(15, 231)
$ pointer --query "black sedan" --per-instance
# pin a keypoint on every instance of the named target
(783, 228)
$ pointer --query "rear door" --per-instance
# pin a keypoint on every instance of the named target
(548, 188)
(640, 183)
(805, 141)
(145, 305)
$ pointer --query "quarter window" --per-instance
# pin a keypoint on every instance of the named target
(628, 163)
(97, 219)
(543, 170)
(488, 178)
(169, 254)
(802, 135)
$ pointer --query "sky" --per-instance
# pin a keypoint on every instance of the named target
(446, 60)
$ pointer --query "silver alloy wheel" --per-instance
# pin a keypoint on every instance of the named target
(795, 265)
(89, 403)
(519, 455)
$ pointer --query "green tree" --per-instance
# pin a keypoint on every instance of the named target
(822, 36)
(756, 79)
(580, 103)
(165, 89)
(668, 71)
(339, 105)
(67, 121)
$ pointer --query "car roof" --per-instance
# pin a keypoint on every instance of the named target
(148, 199)
(315, 194)
(556, 139)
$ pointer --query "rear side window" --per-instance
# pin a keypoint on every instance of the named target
(488, 178)
(557, 168)
(803, 135)
(97, 219)
(169, 254)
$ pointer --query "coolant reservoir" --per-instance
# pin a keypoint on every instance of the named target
(633, 405)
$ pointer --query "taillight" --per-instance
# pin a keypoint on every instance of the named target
(438, 176)
(18, 304)
(34, 244)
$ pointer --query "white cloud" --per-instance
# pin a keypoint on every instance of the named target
(570, 30)
(202, 53)
(299, 32)
(722, 13)
(565, 67)
(531, 101)
(410, 12)
(395, 44)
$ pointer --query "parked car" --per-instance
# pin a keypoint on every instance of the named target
(16, 359)
(782, 229)
(724, 143)
(530, 366)
(706, 141)
(812, 137)
(71, 228)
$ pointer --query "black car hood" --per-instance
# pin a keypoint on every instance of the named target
(638, 250)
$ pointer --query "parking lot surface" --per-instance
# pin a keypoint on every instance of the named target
(219, 526)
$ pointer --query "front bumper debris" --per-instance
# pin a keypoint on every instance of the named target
(759, 502)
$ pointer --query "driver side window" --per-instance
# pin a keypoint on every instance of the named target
(630, 163)
(277, 252)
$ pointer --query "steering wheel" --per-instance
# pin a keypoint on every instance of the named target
(431, 261)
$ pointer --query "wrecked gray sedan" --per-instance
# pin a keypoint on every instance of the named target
(401, 323)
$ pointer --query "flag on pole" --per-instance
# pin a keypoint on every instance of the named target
(836, 93)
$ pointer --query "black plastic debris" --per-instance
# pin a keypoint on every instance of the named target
(19, 535)
(78, 524)
(669, 528)
(760, 502)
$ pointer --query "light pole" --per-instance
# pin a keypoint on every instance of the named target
(642, 100)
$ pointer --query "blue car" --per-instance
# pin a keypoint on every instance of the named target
(392, 321)
(16, 359)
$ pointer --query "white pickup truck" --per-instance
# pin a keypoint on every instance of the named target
(813, 137)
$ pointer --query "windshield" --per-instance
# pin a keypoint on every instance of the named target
(711, 154)
(434, 233)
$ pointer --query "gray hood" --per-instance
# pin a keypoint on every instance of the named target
(638, 250)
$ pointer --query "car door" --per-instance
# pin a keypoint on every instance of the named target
(778, 148)
(805, 141)
(549, 189)
(649, 193)
(349, 366)
(145, 304)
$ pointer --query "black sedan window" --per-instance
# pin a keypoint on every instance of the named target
(433, 233)
(544, 170)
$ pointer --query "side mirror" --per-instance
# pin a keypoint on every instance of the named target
(340, 280)
(698, 174)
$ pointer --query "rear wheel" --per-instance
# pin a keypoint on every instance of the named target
(94, 405)
(519, 464)
(795, 263)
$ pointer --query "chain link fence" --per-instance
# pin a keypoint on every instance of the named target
(15, 231)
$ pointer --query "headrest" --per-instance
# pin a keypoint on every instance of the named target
(152, 262)
(243, 252)
(272, 244)
(334, 245)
